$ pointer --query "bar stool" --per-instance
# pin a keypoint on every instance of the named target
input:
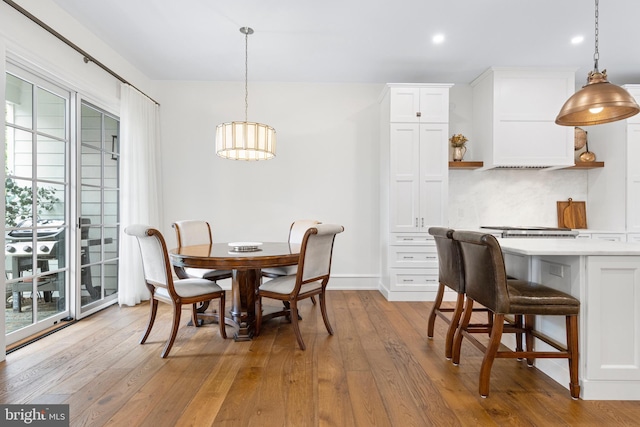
(486, 282)
(451, 275)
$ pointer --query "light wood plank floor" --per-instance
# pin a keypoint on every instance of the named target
(379, 369)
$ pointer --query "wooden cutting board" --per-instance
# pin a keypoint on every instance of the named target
(572, 214)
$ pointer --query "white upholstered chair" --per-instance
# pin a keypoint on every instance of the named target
(195, 232)
(296, 233)
(310, 279)
(157, 273)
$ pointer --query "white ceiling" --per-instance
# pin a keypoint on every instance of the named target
(362, 41)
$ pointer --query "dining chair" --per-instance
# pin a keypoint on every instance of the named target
(196, 232)
(311, 277)
(486, 282)
(162, 286)
(296, 233)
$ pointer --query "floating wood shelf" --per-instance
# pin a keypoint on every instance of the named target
(465, 165)
(587, 165)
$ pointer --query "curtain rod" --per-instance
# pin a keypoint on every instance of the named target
(86, 57)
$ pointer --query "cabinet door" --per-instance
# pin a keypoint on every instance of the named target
(433, 175)
(612, 318)
(405, 105)
(633, 178)
(434, 105)
(405, 177)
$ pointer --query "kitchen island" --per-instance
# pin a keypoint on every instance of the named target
(605, 277)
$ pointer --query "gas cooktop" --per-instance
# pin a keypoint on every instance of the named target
(531, 231)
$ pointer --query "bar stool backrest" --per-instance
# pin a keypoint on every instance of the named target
(485, 274)
(451, 273)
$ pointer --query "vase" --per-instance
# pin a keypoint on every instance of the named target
(458, 153)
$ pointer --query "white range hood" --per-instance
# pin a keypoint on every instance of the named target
(514, 111)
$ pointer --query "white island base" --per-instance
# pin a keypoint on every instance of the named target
(605, 277)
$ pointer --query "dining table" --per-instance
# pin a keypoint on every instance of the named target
(246, 267)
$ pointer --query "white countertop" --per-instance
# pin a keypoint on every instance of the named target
(531, 246)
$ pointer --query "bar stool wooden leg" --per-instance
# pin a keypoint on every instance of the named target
(490, 354)
(457, 341)
(530, 325)
(572, 347)
(453, 326)
(434, 310)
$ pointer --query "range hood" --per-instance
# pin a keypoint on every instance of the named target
(514, 113)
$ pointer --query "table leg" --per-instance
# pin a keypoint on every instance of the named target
(243, 286)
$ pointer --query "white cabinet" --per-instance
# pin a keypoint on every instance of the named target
(418, 176)
(514, 113)
(414, 181)
(612, 303)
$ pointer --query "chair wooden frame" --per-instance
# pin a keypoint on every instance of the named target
(161, 285)
(314, 266)
(487, 282)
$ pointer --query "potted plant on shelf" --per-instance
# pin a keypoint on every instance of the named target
(458, 142)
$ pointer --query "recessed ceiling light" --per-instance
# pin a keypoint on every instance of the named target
(438, 38)
(577, 40)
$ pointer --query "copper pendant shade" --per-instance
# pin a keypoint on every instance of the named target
(598, 101)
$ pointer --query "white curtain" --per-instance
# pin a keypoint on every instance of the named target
(140, 186)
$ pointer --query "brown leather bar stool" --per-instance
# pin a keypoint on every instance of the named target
(451, 275)
(486, 282)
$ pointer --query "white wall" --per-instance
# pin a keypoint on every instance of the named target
(326, 166)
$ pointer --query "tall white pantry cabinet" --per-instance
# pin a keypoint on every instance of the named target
(414, 158)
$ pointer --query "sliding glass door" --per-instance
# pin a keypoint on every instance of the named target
(98, 207)
(37, 141)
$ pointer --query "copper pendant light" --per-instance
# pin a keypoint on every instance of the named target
(598, 101)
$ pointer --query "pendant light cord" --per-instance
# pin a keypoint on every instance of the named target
(246, 76)
(596, 55)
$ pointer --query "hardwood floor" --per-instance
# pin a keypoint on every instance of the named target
(377, 370)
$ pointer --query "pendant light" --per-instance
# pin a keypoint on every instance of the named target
(598, 101)
(245, 140)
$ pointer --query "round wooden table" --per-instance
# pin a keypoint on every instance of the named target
(246, 274)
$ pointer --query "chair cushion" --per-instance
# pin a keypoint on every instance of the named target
(190, 288)
(284, 285)
(280, 271)
(202, 273)
(533, 298)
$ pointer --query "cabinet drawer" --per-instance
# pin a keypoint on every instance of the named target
(408, 279)
(413, 257)
(411, 239)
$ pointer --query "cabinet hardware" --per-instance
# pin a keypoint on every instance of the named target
(407, 239)
(418, 114)
(407, 280)
(416, 222)
(423, 222)
(407, 257)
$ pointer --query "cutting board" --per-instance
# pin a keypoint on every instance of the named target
(572, 214)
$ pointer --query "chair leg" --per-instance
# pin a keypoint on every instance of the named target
(313, 300)
(177, 311)
(323, 309)
(258, 304)
(519, 326)
(153, 304)
(194, 315)
(223, 329)
(296, 326)
(490, 354)
(434, 310)
(529, 326)
(572, 347)
(457, 341)
(453, 326)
